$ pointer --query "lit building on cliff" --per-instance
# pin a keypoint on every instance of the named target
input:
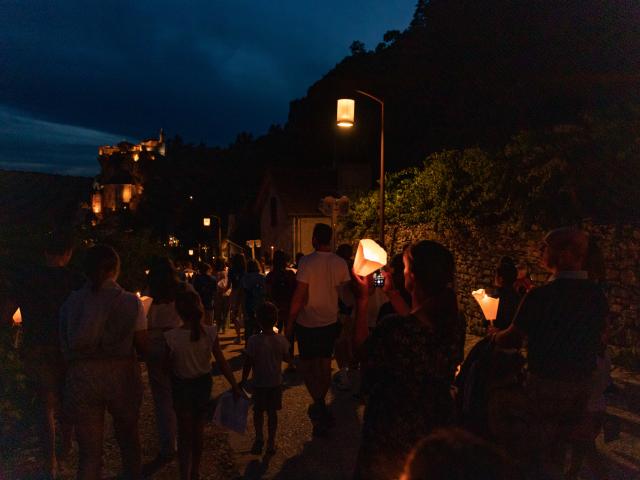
(119, 185)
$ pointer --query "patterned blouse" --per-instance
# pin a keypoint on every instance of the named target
(410, 369)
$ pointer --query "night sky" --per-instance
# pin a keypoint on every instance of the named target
(78, 74)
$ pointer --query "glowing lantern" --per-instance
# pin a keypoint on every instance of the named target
(489, 305)
(191, 252)
(126, 193)
(136, 157)
(206, 221)
(17, 317)
(346, 112)
(96, 203)
(146, 303)
(369, 257)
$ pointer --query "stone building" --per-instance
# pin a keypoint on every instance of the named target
(119, 186)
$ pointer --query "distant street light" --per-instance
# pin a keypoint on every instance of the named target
(346, 118)
(191, 252)
(206, 221)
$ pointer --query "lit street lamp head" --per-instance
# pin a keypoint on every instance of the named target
(346, 112)
(206, 221)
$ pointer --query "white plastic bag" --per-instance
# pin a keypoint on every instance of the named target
(230, 413)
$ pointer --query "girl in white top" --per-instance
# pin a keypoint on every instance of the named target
(191, 348)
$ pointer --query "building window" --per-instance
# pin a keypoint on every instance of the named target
(274, 211)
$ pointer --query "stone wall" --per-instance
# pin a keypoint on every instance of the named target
(478, 250)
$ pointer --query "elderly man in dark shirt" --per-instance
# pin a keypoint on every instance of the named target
(563, 322)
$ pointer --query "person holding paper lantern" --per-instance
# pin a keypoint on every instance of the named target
(410, 364)
(39, 293)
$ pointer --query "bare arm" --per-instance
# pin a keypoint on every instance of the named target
(512, 337)
(246, 368)
(297, 303)
(397, 302)
(226, 369)
(362, 304)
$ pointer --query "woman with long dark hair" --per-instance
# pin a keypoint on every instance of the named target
(410, 365)
(101, 328)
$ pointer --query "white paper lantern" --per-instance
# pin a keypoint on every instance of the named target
(369, 257)
(489, 305)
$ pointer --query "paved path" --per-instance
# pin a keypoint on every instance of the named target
(298, 456)
(301, 457)
(227, 455)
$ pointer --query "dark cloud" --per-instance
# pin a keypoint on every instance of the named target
(205, 69)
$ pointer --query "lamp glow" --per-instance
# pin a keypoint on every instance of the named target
(489, 305)
(96, 203)
(206, 221)
(126, 193)
(369, 257)
(17, 317)
(346, 112)
(191, 252)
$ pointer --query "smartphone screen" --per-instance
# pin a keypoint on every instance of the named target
(378, 280)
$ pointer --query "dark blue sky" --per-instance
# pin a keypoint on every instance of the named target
(77, 74)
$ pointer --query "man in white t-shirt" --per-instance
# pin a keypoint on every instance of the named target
(314, 310)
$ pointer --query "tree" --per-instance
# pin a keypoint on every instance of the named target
(391, 36)
(419, 15)
(357, 48)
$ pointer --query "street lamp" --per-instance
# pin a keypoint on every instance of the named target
(345, 118)
(206, 221)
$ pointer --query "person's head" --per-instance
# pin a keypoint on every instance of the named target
(279, 261)
(189, 307)
(102, 263)
(506, 272)
(428, 268)
(345, 251)
(163, 280)
(238, 262)
(267, 316)
(58, 249)
(204, 268)
(564, 249)
(253, 266)
(321, 238)
(454, 454)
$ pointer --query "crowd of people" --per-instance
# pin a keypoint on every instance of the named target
(429, 413)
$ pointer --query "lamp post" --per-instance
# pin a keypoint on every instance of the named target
(345, 119)
(206, 221)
